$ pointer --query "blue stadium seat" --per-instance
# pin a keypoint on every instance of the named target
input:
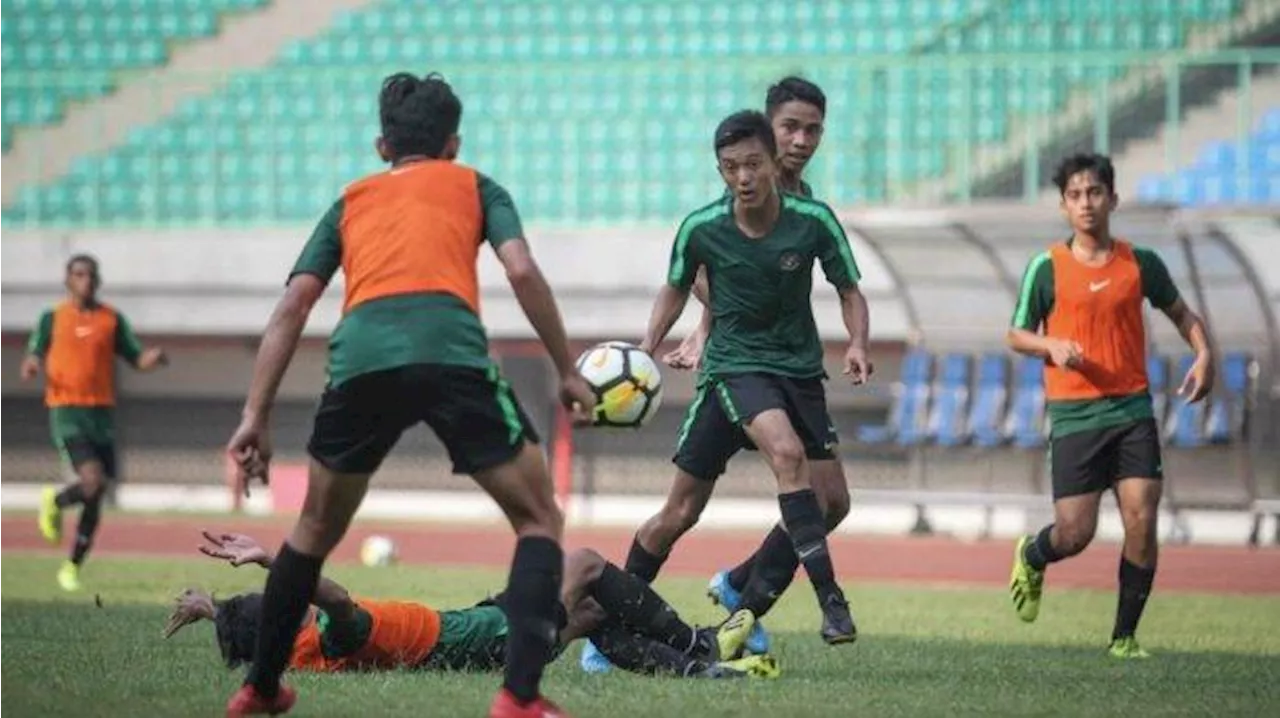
(950, 398)
(1186, 425)
(1221, 174)
(987, 414)
(1226, 416)
(1158, 380)
(907, 416)
(1026, 422)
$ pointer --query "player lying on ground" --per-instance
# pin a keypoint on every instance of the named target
(1080, 309)
(77, 343)
(632, 624)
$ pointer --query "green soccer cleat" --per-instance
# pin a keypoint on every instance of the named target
(1025, 584)
(50, 516)
(756, 666)
(69, 577)
(1126, 648)
(731, 636)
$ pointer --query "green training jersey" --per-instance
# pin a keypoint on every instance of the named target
(761, 309)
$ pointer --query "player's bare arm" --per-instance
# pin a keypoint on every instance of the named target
(243, 550)
(1198, 382)
(689, 354)
(857, 321)
(152, 358)
(666, 310)
(30, 367)
(250, 446)
(1062, 352)
(539, 306)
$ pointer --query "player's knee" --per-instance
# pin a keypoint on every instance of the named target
(786, 454)
(1138, 520)
(678, 518)
(584, 566)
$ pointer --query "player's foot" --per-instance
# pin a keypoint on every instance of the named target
(1126, 647)
(50, 516)
(837, 621)
(505, 706)
(731, 636)
(1025, 584)
(761, 666)
(593, 661)
(69, 577)
(722, 593)
(247, 702)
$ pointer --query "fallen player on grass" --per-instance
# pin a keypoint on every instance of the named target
(622, 615)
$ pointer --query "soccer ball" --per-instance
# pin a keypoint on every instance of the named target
(378, 551)
(626, 381)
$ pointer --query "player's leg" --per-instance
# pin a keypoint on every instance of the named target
(1138, 491)
(73, 432)
(1080, 466)
(625, 598)
(356, 425)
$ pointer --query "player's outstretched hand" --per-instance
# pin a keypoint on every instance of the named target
(30, 368)
(190, 606)
(250, 449)
(857, 366)
(576, 396)
(236, 549)
(1198, 382)
(689, 354)
(1065, 352)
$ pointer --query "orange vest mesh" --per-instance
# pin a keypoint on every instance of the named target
(415, 228)
(403, 634)
(80, 363)
(1101, 308)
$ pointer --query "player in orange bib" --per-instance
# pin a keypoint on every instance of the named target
(637, 628)
(1081, 310)
(77, 342)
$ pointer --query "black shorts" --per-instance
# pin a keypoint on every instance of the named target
(473, 411)
(1087, 462)
(712, 431)
(80, 450)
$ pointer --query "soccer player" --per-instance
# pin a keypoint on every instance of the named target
(641, 632)
(77, 342)
(1080, 309)
(763, 366)
(410, 348)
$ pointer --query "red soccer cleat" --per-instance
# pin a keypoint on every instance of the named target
(247, 702)
(505, 706)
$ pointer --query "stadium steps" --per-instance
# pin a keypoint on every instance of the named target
(245, 42)
(1000, 171)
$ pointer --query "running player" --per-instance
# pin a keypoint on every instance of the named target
(763, 366)
(410, 348)
(1080, 309)
(78, 341)
(640, 631)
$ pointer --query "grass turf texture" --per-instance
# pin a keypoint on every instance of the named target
(922, 652)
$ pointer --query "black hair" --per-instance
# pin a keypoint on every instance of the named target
(1099, 165)
(418, 115)
(90, 260)
(744, 125)
(793, 88)
(236, 624)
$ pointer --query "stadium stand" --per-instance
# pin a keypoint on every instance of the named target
(1226, 173)
(611, 149)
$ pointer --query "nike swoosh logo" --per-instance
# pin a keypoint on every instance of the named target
(806, 553)
(1098, 286)
(83, 331)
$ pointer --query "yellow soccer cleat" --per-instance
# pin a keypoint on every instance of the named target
(50, 516)
(731, 636)
(760, 665)
(1126, 648)
(69, 577)
(1025, 584)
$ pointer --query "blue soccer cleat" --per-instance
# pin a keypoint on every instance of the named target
(593, 661)
(730, 598)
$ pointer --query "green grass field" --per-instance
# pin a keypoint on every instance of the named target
(923, 652)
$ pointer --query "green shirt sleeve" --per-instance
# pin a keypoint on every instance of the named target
(128, 346)
(683, 267)
(322, 255)
(501, 219)
(1035, 298)
(1157, 285)
(38, 343)
(836, 256)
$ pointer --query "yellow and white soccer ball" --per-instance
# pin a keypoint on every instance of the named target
(626, 381)
(378, 551)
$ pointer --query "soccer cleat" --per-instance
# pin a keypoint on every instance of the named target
(593, 661)
(69, 577)
(722, 593)
(760, 666)
(837, 621)
(247, 702)
(1126, 648)
(50, 516)
(731, 636)
(1025, 584)
(505, 706)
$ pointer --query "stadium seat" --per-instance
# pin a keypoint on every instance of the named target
(1158, 381)
(987, 414)
(909, 412)
(1225, 173)
(1226, 420)
(1026, 426)
(1186, 425)
(950, 399)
